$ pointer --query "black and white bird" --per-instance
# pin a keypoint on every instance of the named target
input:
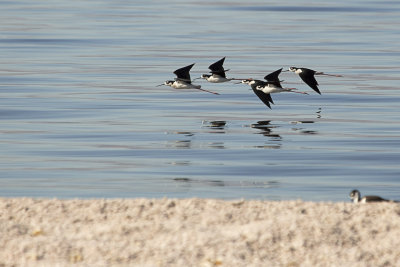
(217, 73)
(308, 76)
(264, 97)
(356, 198)
(273, 84)
(183, 80)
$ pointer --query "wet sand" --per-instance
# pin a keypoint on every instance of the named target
(197, 232)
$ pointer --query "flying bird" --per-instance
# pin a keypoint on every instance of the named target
(308, 76)
(264, 97)
(218, 74)
(183, 80)
(272, 85)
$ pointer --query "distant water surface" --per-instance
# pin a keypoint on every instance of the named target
(81, 115)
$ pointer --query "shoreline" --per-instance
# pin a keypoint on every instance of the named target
(197, 232)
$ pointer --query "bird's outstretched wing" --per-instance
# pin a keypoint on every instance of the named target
(183, 73)
(265, 98)
(273, 77)
(307, 75)
(218, 68)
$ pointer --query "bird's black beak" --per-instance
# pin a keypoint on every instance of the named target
(160, 85)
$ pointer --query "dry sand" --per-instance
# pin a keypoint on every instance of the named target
(197, 232)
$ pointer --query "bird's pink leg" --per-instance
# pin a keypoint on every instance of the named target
(294, 90)
(204, 90)
(333, 75)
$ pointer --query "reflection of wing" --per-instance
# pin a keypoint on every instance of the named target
(307, 76)
(183, 73)
(265, 98)
(273, 78)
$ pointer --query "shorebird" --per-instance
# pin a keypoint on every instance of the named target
(217, 73)
(307, 75)
(264, 97)
(356, 198)
(273, 84)
(183, 80)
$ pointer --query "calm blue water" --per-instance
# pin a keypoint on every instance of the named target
(81, 115)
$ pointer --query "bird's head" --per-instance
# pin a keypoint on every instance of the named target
(247, 81)
(355, 194)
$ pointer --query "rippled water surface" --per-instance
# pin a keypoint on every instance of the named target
(81, 115)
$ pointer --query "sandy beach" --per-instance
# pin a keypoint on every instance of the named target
(197, 232)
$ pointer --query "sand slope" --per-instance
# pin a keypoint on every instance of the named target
(197, 232)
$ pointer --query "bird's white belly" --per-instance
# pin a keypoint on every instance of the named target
(183, 85)
(217, 79)
(180, 85)
(271, 89)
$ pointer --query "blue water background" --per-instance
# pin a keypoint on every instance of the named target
(81, 116)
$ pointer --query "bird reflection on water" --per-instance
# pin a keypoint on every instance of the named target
(273, 130)
(266, 129)
(219, 125)
(252, 184)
